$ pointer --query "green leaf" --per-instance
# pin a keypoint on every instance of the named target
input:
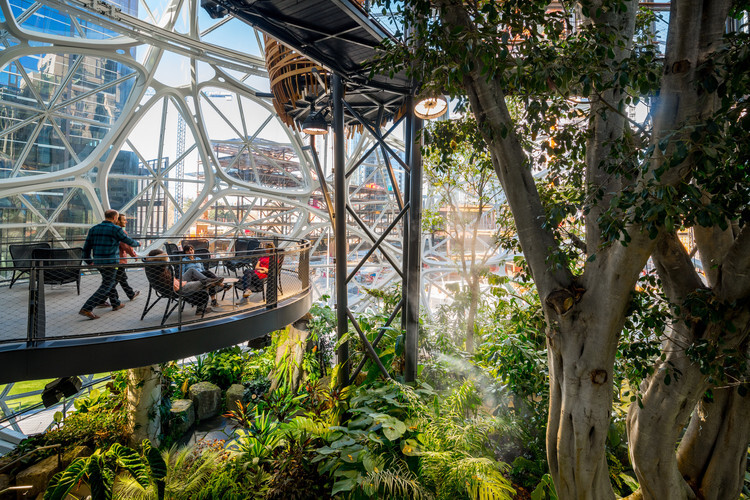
(63, 482)
(343, 485)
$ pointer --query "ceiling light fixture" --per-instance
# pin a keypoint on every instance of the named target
(430, 106)
(315, 124)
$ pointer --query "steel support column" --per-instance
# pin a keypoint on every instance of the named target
(339, 187)
(413, 246)
(407, 191)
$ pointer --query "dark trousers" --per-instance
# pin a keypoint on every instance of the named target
(105, 290)
(251, 281)
(122, 280)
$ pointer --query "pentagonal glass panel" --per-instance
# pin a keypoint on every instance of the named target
(250, 144)
(157, 174)
(56, 108)
(230, 33)
(77, 210)
(34, 16)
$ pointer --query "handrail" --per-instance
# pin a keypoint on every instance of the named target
(53, 314)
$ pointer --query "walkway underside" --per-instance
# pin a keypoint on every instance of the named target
(58, 358)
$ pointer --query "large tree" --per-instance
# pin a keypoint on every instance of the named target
(577, 68)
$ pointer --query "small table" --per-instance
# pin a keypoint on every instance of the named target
(233, 282)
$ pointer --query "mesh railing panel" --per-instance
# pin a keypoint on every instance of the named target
(151, 293)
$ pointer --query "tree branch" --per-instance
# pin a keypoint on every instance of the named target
(675, 268)
(734, 272)
(510, 162)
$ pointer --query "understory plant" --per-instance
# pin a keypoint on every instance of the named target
(403, 442)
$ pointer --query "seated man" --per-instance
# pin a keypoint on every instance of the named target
(163, 280)
(192, 270)
(252, 279)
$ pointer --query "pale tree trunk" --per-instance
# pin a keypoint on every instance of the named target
(143, 399)
(290, 351)
(472, 315)
(712, 456)
(670, 395)
(585, 315)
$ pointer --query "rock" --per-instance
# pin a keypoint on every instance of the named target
(4, 483)
(181, 417)
(235, 394)
(38, 476)
(206, 398)
(77, 452)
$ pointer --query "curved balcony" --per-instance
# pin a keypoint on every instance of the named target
(42, 291)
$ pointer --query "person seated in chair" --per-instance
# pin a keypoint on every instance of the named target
(253, 279)
(192, 270)
(193, 291)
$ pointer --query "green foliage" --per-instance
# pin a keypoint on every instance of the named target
(223, 368)
(402, 443)
(96, 400)
(98, 427)
(322, 327)
(281, 403)
(100, 470)
(236, 480)
(545, 490)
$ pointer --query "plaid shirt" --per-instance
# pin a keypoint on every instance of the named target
(103, 243)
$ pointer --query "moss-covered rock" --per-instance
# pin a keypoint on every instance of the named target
(206, 399)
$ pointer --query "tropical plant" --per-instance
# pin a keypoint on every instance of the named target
(281, 403)
(402, 443)
(188, 469)
(464, 183)
(93, 401)
(103, 468)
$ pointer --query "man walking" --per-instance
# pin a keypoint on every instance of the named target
(121, 277)
(102, 249)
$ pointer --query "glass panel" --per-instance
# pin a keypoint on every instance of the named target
(51, 21)
(78, 210)
(84, 109)
(157, 174)
(249, 141)
(233, 34)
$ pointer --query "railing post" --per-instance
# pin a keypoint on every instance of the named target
(179, 296)
(304, 268)
(36, 327)
(272, 279)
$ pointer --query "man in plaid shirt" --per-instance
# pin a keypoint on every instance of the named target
(102, 248)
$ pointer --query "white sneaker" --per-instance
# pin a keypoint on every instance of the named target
(243, 302)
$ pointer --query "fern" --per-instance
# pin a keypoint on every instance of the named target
(185, 473)
(393, 485)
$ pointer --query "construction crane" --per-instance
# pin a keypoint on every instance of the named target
(180, 166)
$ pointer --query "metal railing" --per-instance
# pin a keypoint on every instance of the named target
(44, 302)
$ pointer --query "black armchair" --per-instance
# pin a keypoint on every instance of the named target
(21, 255)
(160, 279)
(60, 265)
(244, 248)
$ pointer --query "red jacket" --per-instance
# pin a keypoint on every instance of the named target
(126, 250)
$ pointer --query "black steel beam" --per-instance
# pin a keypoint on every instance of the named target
(382, 331)
(340, 195)
(370, 351)
(376, 245)
(414, 257)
